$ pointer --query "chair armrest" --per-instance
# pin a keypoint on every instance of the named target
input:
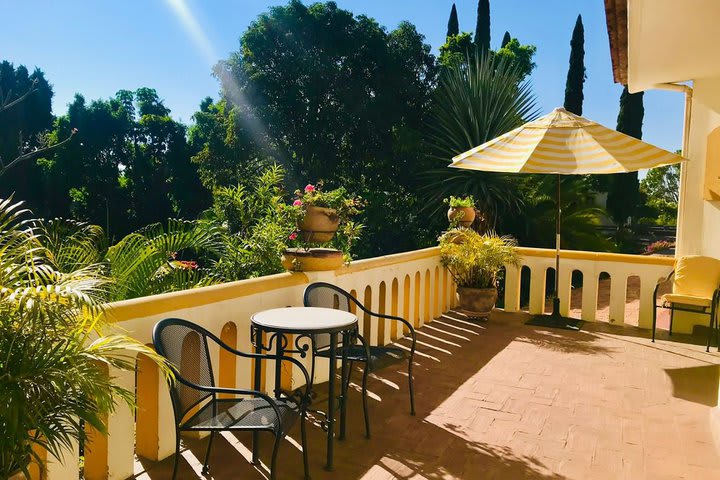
(396, 319)
(231, 391)
(269, 356)
(661, 282)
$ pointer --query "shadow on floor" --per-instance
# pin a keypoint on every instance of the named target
(696, 384)
(451, 350)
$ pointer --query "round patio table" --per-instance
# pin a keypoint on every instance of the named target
(270, 330)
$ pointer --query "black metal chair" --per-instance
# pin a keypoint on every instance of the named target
(374, 357)
(199, 405)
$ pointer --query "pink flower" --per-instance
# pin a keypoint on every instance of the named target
(309, 188)
(293, 236)
(297, 203)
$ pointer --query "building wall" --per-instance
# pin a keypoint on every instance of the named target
(700, 218)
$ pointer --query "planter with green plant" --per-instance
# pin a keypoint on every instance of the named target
(56, 356)
(475, 262)
(324, 231)
(461, 211)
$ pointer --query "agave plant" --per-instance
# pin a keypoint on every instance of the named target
(476, 101)
(55, 357)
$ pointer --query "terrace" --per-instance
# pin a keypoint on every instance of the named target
(498, 399)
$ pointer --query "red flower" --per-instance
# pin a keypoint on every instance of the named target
(309, 188)
(293, 236)
(187, 264)
(297, 203)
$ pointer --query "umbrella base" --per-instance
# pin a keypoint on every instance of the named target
(555, 320)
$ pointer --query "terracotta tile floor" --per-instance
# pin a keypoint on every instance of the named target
(501, 400)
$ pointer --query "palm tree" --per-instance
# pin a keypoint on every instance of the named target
(55, 357)
(476, 101)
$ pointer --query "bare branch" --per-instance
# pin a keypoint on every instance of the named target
(6, 105)
(35, 153)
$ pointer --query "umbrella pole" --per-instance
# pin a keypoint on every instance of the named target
(555, 319)
(556, 293)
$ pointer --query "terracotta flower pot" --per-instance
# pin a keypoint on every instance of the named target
(477, 302)
(319, 224)
(312, 260)
(464, 215)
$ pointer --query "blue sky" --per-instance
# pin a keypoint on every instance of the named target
(99, 47)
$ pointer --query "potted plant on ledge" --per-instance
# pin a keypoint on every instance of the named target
(461, 211)
(475, 261)
(319, 216)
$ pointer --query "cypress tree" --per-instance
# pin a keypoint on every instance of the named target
(453, 27)
(482, 28)
(506, 39)
(576, 71)
(624, 188)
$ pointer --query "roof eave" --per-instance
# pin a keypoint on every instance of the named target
(616, 19)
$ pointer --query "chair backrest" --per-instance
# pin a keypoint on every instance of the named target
(185, 345)
(327, 295)
(696, 275)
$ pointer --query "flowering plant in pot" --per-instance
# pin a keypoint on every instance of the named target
(319, 216)
(475, 261)
(320, 212)
(461, 211)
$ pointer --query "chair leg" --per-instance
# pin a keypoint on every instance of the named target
(177, 453)
(343, 411)
(276, 448)
(410, 384)
(365, 399)
(205, 470)
(712, 327)
(303, 439)
(654, 323)
(672, 315)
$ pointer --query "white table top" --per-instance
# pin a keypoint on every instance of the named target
(304, 319)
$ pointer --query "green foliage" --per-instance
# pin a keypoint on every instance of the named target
(460, 48)
(661, 190)
(345, 205)
(23, 127)
(453, 27)
(255, 222)
(460, 202)
(624, 188)
(482, 28)
(456, 49)
(226, 154)
(54, 373)
(534, 223)
(506, 39)
(474, 260)
(474, 103)
(520, 56)
(339, 99)
(576, 72)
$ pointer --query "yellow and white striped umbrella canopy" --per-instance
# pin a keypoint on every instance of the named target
(564, 143)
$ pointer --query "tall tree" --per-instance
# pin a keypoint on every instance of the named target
(341, 99)
(623, 188)
(506, 39)
(482, 28)
(25, 118)
(576, 72)
(453, 27)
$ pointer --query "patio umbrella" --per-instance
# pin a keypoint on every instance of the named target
(563, 143)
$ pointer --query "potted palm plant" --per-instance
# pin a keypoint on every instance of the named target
(461, 211)
(55, 353)
(475, 260)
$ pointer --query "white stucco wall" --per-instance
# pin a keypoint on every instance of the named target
(700, 229)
